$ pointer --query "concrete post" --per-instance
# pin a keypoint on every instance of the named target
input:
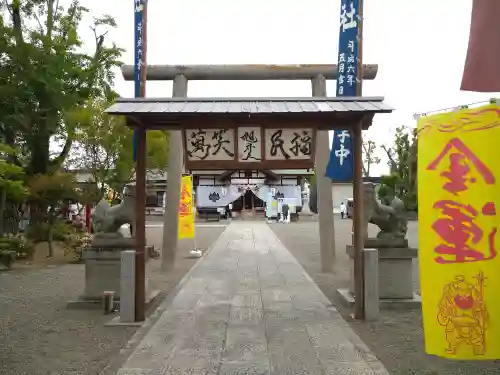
(174, 177)
(127, 290)
(324, 188)
(371, 295)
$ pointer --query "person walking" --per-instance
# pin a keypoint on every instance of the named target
(343, 210)
(285, 210)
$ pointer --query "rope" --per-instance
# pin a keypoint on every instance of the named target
(416, 116)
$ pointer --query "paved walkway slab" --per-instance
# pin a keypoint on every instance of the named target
(250, 308)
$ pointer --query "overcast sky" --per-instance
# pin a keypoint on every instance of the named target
(419, 45)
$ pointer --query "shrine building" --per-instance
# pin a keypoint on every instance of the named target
(215, 189)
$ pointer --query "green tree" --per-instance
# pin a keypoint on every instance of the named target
(45, 76)
(403, 156)
(369, 157)
(104, 147)
(102, 144)
(12, 187)
(51, 190)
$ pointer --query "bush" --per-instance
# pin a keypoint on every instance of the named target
(14, 247)
(80, 242)
(40, 232)
(7, 257)
(383, 190)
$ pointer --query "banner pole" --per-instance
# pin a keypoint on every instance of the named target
(139, 151)
(358, 240)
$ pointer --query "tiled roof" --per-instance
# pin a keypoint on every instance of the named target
(248, 105)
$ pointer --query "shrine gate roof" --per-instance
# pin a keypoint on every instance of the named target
(172, 112)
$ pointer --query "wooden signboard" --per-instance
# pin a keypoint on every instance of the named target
(249, 147)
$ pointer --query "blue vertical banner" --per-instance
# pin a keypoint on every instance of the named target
(341, 163)
(139, 58)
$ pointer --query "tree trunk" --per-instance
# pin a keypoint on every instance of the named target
(3, 200)
(49, 233)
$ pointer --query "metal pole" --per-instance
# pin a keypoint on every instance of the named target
(140, 189)
(358, 241)
(174, 179)
(140, 227)
(195, 242)
(324, 188)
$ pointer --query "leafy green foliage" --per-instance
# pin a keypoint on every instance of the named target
(45, 76)
(7, 257)
(39, 232)
(369, 157)
(104, 147)
(403, 156)
(14, 247)
(11, 175)
(51, 189)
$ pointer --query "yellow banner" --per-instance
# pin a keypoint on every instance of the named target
(186, 209)
(458, 197)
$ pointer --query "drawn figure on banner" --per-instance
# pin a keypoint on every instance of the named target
(463, 313)
(301, 143)
(348, 18)
(184, 209)
(220, 138)
(185, 201)
(461, 159)
(199, 148)
(342, 153)
(185, 195)
(277, 144)
(460, 233)
(251, 141)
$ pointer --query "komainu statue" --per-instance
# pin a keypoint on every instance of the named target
(389, 214)
(109, 219)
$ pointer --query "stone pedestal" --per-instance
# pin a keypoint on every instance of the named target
(395, 274)
(103, 270)
(395, 271)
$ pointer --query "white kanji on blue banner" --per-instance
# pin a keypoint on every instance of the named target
(340, 165)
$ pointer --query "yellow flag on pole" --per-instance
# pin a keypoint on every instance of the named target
(458, 203)
(186, 209)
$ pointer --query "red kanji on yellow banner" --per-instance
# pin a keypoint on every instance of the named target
(186, 209)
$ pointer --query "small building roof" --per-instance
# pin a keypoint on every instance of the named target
(248, 105)
(171, 112)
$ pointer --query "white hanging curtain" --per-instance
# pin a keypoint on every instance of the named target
(290, 194)
(260, 191)
(217, 196)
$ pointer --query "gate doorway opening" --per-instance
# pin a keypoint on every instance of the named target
(249, 205)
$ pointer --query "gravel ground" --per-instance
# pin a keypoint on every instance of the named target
(40, 336)
(397, 339)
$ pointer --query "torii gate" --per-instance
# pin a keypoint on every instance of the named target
(318, 113)
(181, 74)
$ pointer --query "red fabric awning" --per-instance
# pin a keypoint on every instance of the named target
(482, 66)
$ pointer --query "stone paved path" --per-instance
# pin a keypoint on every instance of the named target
(249, 308)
